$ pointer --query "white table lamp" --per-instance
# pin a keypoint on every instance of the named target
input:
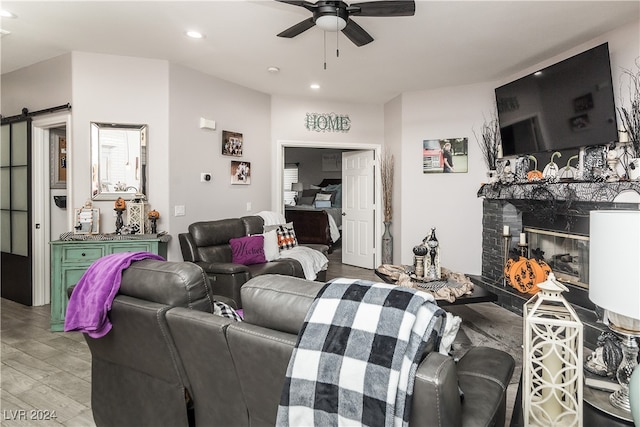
(614, 284)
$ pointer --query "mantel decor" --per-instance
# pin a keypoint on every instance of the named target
(561, 191)
(489, 141)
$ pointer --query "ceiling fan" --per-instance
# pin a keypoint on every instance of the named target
(335, 15)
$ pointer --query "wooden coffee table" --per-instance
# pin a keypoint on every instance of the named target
(479, 293)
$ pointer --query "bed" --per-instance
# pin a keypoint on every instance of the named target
(317, 217)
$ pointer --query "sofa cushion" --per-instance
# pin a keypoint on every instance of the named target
(286, 237)
(248, 250)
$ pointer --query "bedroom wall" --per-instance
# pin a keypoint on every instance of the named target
(309, 160)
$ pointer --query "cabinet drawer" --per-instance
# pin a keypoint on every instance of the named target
(88, 254)
(132, 247)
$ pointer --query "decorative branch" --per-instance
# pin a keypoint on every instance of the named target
(489, 141)
(630, 116)
(386, 176)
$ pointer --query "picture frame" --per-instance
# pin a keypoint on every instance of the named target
(240, 172)
(438, 153)
(87, 221)
(58, 158)
(232, 143)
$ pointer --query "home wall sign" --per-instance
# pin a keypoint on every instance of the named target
(327, 122)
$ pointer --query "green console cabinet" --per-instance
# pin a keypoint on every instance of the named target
(71, 258)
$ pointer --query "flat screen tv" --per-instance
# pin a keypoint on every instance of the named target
(567, 105)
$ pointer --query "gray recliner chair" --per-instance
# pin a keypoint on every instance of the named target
(137, 377)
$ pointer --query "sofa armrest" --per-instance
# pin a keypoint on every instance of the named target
(436, 397)
(222, 267)
(188, 247)
(484, 374)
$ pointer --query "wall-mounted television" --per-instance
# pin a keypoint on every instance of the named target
(567, 105)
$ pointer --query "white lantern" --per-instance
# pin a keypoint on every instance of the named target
(552, 363)
(137, 213)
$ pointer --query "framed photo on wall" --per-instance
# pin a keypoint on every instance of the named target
(449, 155)
(240, 172)
(232, 143)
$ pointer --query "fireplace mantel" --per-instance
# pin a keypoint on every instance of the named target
(596, 192)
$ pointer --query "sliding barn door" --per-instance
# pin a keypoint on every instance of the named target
(15, 211)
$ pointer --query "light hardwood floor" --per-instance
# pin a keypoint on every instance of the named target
(44, 371)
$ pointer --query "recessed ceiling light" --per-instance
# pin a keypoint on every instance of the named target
(537, 73)
(314, 86)
(273, 69)
(6, 14)
(194, 34)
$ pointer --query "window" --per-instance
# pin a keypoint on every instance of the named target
(290, 176)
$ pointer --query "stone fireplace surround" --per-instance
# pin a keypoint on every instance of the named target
(561, 207)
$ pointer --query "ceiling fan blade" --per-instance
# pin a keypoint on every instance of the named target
(383, 8)
(300, 27)
(356, 34)
(302, 3)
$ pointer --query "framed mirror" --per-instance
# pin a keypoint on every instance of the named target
(118, 160)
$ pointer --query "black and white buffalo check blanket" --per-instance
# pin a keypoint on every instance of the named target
(357, 354)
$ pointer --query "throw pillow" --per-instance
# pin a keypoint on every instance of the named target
(286, 237)
(304, 200)
(271, 248)
(323, 197)
(247, 250)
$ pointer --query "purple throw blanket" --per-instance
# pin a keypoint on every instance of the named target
(93, 295)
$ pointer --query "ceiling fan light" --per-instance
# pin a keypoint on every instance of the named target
(331, 23)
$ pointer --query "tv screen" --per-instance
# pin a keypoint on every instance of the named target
(567, 105)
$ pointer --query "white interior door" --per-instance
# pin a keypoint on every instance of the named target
(358, 209)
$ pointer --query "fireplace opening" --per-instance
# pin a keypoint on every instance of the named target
(567, 254)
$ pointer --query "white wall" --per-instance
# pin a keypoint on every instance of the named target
(445, 201)
(393, 143)
(194, 150)
(118, 89)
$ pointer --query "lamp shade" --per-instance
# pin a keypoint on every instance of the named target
(297, 186)
(614, 261)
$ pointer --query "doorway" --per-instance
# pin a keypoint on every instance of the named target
(375, 213)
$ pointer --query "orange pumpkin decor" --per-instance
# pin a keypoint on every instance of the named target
(120, 204)
(525, 274)
(535, 174)
(154, 214)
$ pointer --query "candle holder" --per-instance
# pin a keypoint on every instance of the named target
(119, 221)
(523, 248)
(505, 255)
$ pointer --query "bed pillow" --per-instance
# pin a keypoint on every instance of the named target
(271, 248)
(304, 200)
(247, 250)
(323, 196)
(337, 189)
(286, 237)
(310, 192)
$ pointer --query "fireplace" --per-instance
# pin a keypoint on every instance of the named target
(567, 254)
(555, 217)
